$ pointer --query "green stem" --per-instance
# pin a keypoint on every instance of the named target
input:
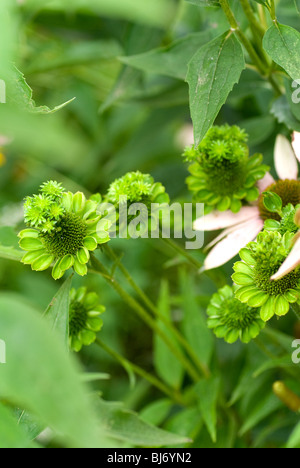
(255, 25)
(146, 317)
(261, 66)
(175, 246)
(175, 396)
(148, 303)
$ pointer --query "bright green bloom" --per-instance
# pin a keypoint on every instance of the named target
(232, 320)
(135, 187)
(63, 229)
(261, 260)
(287, 222)
(84, 320)
(222, 174)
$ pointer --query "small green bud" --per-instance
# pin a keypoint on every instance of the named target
(273, 202)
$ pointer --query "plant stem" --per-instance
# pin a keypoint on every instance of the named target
(144, 315)
(148, 303)
(255, 25)
(175, 246)
(261, 66)
(174, 395)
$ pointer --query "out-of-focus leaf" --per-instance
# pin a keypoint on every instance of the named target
(204, 3)
(155, 413)
(264, 407)
(194, 324)
(212, 73)
(9, 245)
(282, 44)
(40, 376)
(57, 313)
(171, 60)
(10, 253)
(169, 369)
(12, 436)
(294, 439)
(28, 423)
(125, 425)
(207, 395)
(157, 13)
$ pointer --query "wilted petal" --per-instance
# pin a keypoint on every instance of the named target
(291, 262)
(265, 182)
(285, 160)
(233, 243)
(296, 144)
(220, 220)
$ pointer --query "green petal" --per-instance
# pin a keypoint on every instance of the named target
(43, 262)
(30, 257)
(87, 337)
(83, 255)
(66, 262)
(67, 201)
(80, 268)
(226, 292)
(90, 243)
(268, 310)
(245, 335)
(282, 306)
(242, 279)
(246, 255)
(291, 296)
(57, 273)
(232, 336)
(252, 194)
(28, 233)
(30, 243)
(221, 331)
(236, 205)
(78, 202)
(91, 300)
(258, 300)
(76, 344)
(224, 204)
(94, 324)
(251, 290)
(242, 267)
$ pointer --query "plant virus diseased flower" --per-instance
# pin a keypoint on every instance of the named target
(222, 174)
(261, 260)
(231, 319)
(84, 318)
(136, 187)
(241, 228)
(63, 229)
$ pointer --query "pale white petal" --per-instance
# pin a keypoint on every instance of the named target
(265, 182)
(284, 158)
(225, 233)
(233, 243)
(220, 220)
(291, 262)
(296, 144)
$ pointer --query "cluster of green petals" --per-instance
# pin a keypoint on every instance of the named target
(77, 231)
(231, 319)
(136, 187)
(260, 261)
(287, 222)
(84, 318)
(222, 173)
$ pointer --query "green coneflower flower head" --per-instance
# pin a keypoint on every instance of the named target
(63, 229)
(261, 260)
(222, 173)
(136, 187)
(231, 319)
(84, 318)
(287, 223)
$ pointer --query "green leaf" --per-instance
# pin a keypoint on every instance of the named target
(168, 368)
(20, 93)
(42, 378)
(10, 253)
(57, 313)
(282, 111)
(125, 425)
(266, 406)
(171, 60)
(9, 245)
(207, 395)
(194, 324)
(212, 73)
(297, 5)
(155, 413)
(282, 43)
(294, 439)
(11, 435)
